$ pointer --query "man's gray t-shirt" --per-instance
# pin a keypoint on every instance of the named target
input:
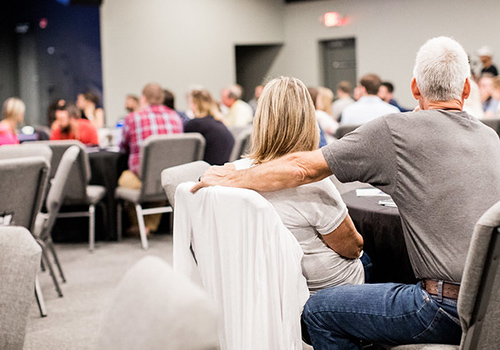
(442, 169)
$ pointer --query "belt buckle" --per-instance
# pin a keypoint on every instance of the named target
(440, 291)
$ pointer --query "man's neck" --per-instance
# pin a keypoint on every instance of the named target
(454, 105)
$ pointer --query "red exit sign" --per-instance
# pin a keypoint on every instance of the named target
(333, 19)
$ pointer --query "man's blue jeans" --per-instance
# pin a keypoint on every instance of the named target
(389, 313)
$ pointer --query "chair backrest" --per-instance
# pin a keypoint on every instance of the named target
(479, 297)
(22, 189)
(345, 129)
(19, 263)
(156, 307)
(173, 176)
(492, 123)
(242, 142)
(80, 174)
(26, 150)
(248, 262)
(56, 194)
(164, 151)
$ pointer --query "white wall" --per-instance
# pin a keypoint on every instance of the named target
(183, 42)
(178, 43)
(388, 34)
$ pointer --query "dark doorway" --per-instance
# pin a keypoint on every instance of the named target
(339, 62)
(252, 65)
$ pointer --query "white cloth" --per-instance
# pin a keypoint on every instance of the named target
(248, 262)
(240, 114)
(339, 105)
(310, 211)
(328, 124)
(366, 109)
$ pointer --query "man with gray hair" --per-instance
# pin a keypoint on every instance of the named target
(427, 160)
(239, 113)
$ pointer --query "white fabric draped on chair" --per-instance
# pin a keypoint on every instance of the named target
(247, 260)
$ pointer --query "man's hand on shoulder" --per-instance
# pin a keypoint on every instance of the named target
(215, 175)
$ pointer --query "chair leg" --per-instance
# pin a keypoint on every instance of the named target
(48, 264)
(56, 259)
(142, 226)
(119, 220)
(91, 227)
(39, 298)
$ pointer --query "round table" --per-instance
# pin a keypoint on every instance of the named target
(383, 237)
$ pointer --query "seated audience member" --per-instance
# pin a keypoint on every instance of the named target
(344, 99)
(255, 99)
(386, 93)
(208, 122)
(152, 119)
(51, 110)
(485, 55)
(402, 154)
(239, 112)
(473, 105)
(330, 243)
(494, 106)
(322, 99)
(12, 114)
(70, 126)
(131, 103)
(485, 84)
(87, 103)
(369, 106)
(169, 101)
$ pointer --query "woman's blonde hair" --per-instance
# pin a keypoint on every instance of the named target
(13, 109)
(324, 100)
(284, 121)
(204, 104)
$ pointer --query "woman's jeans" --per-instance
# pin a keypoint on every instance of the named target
(388, 313)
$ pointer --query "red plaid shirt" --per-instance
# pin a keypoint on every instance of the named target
(138, 126)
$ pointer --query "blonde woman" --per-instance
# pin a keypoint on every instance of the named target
(315, 213)
(323, 103)
(207, 121)
(12, 114)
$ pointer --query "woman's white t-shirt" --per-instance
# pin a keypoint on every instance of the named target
(310, 211)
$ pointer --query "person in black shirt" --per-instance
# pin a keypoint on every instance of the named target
(208, 122)
(485, 55)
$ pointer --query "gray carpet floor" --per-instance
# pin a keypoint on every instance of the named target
(73, 321)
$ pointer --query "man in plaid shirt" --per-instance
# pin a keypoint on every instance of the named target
(152, 119)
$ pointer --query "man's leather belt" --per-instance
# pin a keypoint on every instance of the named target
(441, 288)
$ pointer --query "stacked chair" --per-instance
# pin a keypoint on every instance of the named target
(78, 192)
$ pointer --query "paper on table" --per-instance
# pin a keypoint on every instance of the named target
(370, 192)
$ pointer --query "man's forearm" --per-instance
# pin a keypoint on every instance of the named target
(289, 171)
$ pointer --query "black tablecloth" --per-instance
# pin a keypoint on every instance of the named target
(106, 167)
(383, 237)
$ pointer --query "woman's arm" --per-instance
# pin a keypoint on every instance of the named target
(345, 239)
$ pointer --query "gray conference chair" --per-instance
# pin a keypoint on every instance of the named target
(78, 192)
(157, 308)
(19, 264)
(479, 297)
(242, 142)
(29, 149)
(45, 221)
(158, 152)
(173, 176)
(23, 190)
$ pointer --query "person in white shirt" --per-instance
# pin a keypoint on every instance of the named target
(239, 112)
(344, 99)
(369, 106)
(322, 98)
(314, 213)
